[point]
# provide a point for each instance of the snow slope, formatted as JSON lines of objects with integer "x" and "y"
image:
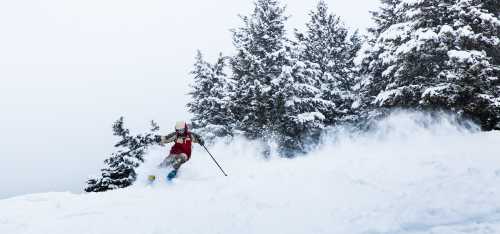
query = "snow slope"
{"x": 413, "y": 174}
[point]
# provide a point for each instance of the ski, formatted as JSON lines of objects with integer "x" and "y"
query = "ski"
{"x": 151, "y": 179}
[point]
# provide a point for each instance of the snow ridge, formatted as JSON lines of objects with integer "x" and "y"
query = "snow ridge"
{"x": 414, "y": 173}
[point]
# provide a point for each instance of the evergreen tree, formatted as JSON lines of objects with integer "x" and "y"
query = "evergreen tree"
{"x": 378, "y": 46}
{"x": 210, "y": 103}
{"x": 120, "y": 167}
{"x": 300, "y": 107}
{"x": 371, "y": 67}
{"x": 385, "y": 17}
{"x": 257, "y": 65}
{"x": 327, "y": 46}
{"x": 470, "y": 80}
{"x": 439, "y": 54}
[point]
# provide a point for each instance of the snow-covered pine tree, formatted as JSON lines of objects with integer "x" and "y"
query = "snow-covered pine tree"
{"x": 375, "y": 49}
{"x": 210, "y": 98}
{"x": 299, "y": 105}
{"x": 327, "y": 46}
{"x": 470, "y": 81}
{"x": 258, "y": 63}
{"x": 385, "y": 17}
{"x": 120, "y": 167}
{"x": 439, "y": 54}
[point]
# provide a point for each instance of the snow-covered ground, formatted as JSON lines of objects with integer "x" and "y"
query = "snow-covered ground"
{"x": 414, "y": 174}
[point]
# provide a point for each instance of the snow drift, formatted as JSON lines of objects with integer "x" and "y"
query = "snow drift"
{"x": 412, "y": 174}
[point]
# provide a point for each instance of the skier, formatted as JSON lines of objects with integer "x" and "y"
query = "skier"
{"x": 181, "y": 150}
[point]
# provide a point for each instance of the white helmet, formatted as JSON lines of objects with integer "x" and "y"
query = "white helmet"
{"x": 180, "y": 127}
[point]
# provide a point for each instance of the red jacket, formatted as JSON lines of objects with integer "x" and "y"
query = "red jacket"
{"x": 183, "y": 145}
{"x": 183, "y": 142}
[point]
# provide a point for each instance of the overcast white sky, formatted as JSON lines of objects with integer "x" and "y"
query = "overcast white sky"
{"x": 68, "y": 69}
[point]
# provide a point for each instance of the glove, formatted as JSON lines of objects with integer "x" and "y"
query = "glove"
{"x": 201, "y": 141}
{"x": 157, "y": 139}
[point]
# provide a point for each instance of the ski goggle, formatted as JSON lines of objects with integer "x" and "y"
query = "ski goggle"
{"x": 180, "y": 130}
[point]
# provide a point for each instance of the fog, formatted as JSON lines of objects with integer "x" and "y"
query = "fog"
{"x": 68, "y": 69}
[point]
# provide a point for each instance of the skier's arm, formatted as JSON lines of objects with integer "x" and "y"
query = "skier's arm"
{"x": 166, "y": 139}
{"x": 197, "y": 139}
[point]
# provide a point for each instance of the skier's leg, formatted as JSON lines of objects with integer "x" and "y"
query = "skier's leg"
{"x": 179, "y": 159}
{"x": 167, "y": 161}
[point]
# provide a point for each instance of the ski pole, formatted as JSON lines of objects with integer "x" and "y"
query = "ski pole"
{"x": 214, "y": 160}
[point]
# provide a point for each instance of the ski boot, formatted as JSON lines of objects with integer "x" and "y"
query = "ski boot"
{"x": 171, "y": 175}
